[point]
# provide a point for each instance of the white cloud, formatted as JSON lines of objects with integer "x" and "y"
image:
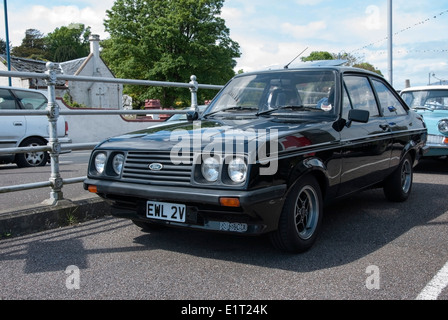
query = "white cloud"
{"x": 46, "y": 19}
{"x": 232, "y": 16}
{"x": 273, "y": 34}
{"x": 308, "y": 2}
{"x": 374, "y": 19}
{"x": 311, "y": 30}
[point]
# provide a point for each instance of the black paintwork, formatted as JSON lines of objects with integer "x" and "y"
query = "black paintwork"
{"x": 345, "y": 156}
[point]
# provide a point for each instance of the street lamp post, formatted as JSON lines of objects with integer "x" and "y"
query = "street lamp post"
{"x": 8, "y": 54}
{"x": 390, "y": 30}
{"x": 441, "y": 80}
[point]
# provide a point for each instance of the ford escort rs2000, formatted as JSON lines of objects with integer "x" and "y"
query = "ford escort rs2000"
{"x": 267, "y": 155}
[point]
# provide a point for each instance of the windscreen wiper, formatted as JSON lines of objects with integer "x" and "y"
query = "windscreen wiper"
{"x": 423, "y": 108}
{"x": 239, "y": 108}
{"x": 302, "y": 107}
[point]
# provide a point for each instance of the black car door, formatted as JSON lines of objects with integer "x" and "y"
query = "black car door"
{"x": 397, "y": 116}
{"x": 366, "y": 147}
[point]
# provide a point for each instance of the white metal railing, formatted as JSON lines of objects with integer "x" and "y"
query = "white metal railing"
{"x": 54, "y": 147}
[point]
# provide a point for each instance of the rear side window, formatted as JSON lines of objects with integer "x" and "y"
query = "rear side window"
{"x": 7, "y": 101}
{"x": 361, "y": 94}
{"x": 390, "y": 105}
{"x": 31, "y": 100}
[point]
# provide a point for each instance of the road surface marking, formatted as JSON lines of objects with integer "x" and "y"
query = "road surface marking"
{"x": 435, "y": 287}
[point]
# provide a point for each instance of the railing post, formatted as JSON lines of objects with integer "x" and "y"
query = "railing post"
{"x": 194, "y": 92}
{"x": 53, "y": 115}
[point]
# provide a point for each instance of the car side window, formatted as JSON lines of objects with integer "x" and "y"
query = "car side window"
{"x": 31, "y": 100}
{"x": 361, "y": 94}
{"x": 7, "y": 101}
{"x": 390, "y": 105}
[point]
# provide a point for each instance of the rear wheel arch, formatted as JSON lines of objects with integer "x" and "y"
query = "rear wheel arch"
{"x": 24, "y": 140}
{"x": 409, "y": 149}
{"x": 398, "y": 186}
{"x": 413, "y": 155}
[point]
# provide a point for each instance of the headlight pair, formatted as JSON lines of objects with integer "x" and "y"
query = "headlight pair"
{"x": 101, "y": 162}
{"x": 236, "y": 169}
{"x": 443, "y": 126}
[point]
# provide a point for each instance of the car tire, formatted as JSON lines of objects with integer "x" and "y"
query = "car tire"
{"x": 398, "y": 186}
{"x": 32, "y": 159}
{"x": 301, "y": 217}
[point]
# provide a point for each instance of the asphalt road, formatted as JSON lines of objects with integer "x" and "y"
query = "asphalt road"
{"x": 370, "y": 249}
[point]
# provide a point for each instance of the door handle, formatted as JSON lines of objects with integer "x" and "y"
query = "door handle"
{"x": 18, "y": 124}
{"x": 385, "y": 127}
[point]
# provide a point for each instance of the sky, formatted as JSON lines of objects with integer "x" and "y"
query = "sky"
{"x": 272, "y": 33}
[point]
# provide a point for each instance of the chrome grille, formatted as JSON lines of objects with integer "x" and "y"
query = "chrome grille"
{"x": 175, "y": 171}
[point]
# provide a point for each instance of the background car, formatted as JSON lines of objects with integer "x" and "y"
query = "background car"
{"x": 26, "y": 130}
{"x": 432, "y": 103}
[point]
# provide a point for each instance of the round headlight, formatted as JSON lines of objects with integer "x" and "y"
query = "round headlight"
{"x": 100, "y": 162}
{"x": 117, "y": 163}
{"x": 210, "y": 169}
{"x": 237, "y": 170}
{"x": 443, "y": 126}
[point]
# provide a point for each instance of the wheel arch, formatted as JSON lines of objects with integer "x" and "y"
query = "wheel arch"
{"x": 45, "y": 140}
{"x": 410, "y": 149}
{"x": 310, "y": 167}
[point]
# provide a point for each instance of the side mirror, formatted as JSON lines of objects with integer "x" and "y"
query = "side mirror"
{"x": 192, "y": 116}
{"x": 361, "y": 116}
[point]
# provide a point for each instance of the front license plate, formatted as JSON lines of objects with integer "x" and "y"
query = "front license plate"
{"x": 166, "y": 211}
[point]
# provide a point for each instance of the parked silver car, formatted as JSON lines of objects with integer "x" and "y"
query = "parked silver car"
{"x": 26, "y": 130}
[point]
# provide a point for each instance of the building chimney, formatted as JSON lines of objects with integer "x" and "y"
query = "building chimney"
{"x": 95, "y": 51}
{"x": 95, "y": 45}
{"x": 407, "y": 83}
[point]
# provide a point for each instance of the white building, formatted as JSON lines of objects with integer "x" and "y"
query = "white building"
{"x": 93, "y": 94}
{"x": 90, "y": 94}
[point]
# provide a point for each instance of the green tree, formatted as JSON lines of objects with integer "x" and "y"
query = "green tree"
{"x": 318, "y": 55}
{"x": 169, "y": 40}
{"x": 68, "y": 43}
{"x": 368, "y": 66}
{"x": 33, "y": 46}
{"x": 2, "y": 46}
{"x": 352, "y": 61}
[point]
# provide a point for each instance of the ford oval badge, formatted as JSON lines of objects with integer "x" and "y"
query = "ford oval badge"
{"x": 155, "y": 166}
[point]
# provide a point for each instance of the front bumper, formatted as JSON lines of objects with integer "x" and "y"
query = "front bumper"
{"x": 436, "y": 146}
{"x": 258, "y": 213}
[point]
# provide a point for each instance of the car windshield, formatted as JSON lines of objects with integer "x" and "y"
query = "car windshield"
{"x": 287, "y": 93}
{"x": 427, "y": 99}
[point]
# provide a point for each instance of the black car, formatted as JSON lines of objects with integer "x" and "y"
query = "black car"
{"x": 271, "y": 150}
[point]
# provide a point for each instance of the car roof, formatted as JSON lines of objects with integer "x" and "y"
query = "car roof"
{"x": 22, "y": 89}
{"x": 425, "y": 88}
{"x": 341, "y": 69}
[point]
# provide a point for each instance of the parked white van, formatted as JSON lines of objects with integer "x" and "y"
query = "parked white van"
{"x": 26, "y": 130}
